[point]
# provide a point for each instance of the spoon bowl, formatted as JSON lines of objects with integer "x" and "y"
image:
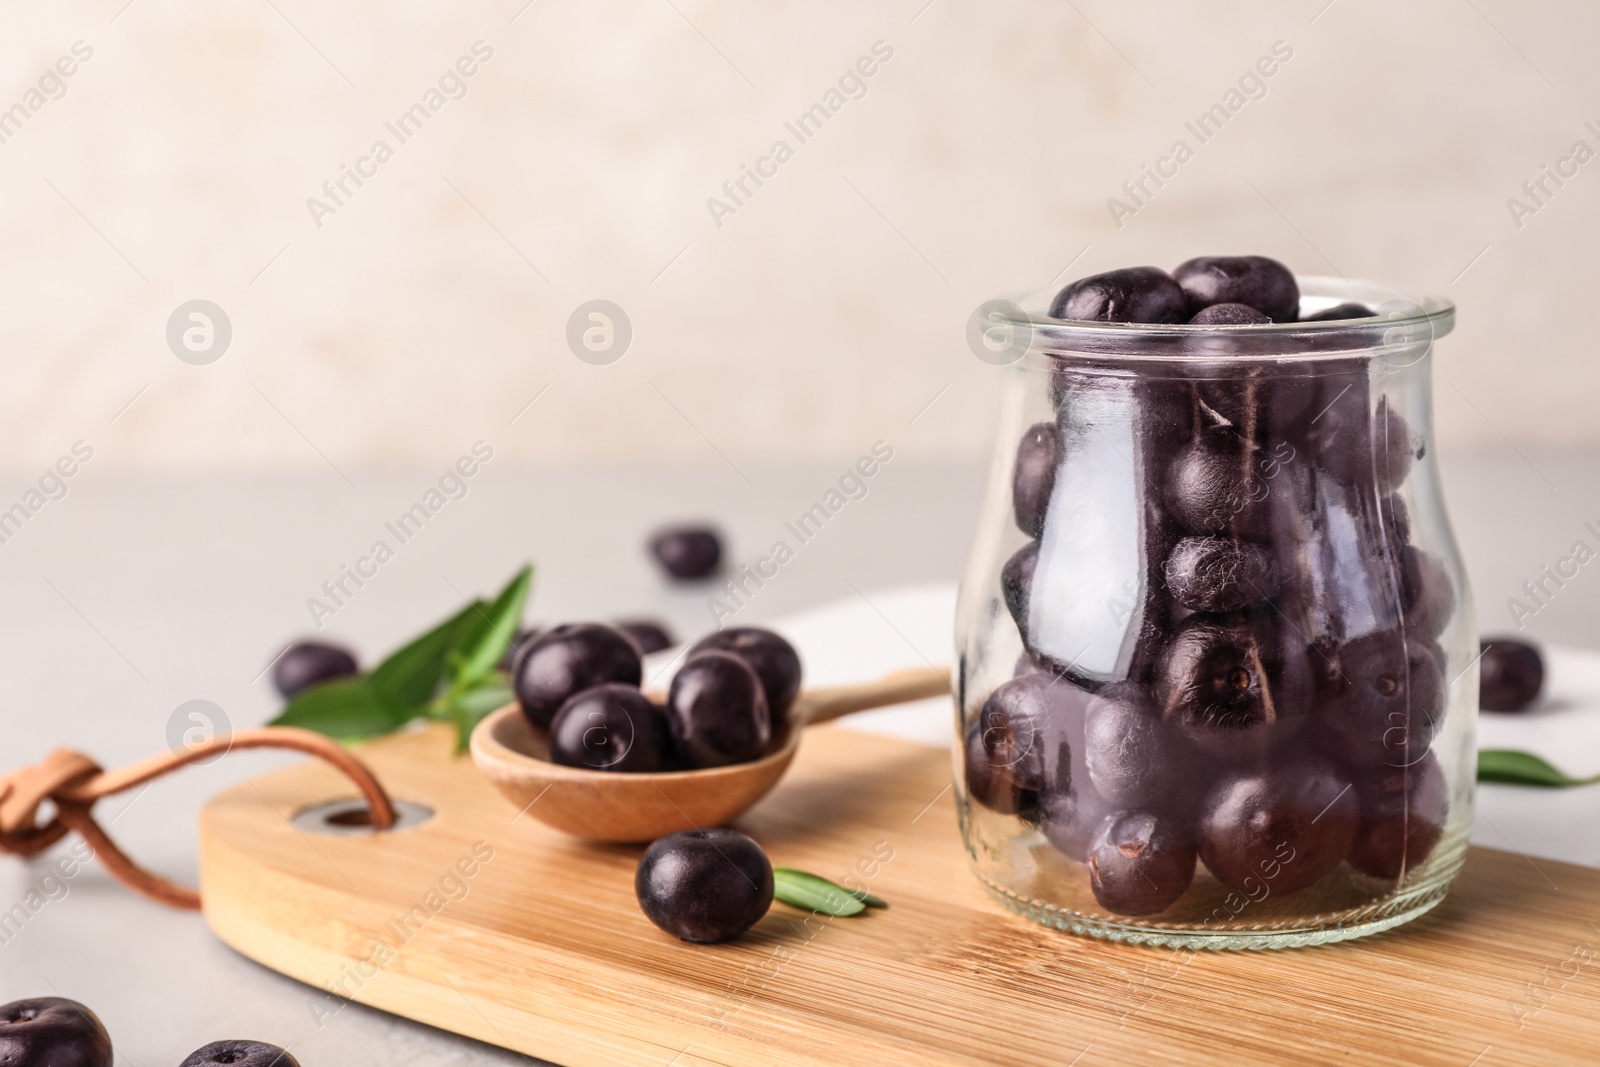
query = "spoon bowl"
{"x": 630, "y": 807}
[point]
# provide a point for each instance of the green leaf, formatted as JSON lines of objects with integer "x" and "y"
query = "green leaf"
{"x": 347, "y": 709}
{"x": 490, "y": 696}
{"x": 1523, "y": 768}
{"x": 464, "y": 651}
{"x": 472, "y": 662}
{"x": 867, "y": 898}
{"x": 410, "y": 677}
{"x": 482, "y": 642}
{"x": 466, "y": 709}
{"x": 804, "y": 890}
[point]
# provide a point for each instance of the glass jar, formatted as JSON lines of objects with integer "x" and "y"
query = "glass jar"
{"x": 1215, "y": 640}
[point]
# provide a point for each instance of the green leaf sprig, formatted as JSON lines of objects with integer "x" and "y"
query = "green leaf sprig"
{"x": 451, "y": 673}
{"x": 811, "y": 892}
{"x": 1511, "y": 767}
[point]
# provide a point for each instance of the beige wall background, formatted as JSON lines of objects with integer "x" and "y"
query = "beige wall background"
{"x": 827, "y": 311}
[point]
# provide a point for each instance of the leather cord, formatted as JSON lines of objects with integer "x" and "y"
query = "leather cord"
{"x": 74, "y": 782}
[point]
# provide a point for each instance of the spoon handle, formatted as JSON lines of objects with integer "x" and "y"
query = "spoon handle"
{"x": 830, "y": 702}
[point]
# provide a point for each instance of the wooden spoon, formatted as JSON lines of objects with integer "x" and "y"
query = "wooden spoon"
{"x": 618, "y": 806}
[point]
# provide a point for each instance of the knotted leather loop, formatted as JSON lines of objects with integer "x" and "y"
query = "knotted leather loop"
{"x": 73, "y": 783}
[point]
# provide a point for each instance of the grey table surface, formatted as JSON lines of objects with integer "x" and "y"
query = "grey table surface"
{"x": 126, "y": 599}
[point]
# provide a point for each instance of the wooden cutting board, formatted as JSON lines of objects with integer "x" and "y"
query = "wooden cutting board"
{"x": 483, "y": 922}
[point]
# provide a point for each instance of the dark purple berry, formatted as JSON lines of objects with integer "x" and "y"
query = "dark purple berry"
{"x": 565, "y": 661}
{"x": 1341, "y": 311}
{"x": 1262, "y": 403}
{"x": 1403, "y": 814}
{"x": 519, "y": 643}
{"x": 773, "y": 659}
{"x": 648, "y": 634}
{"x": 1232, "y": 684}
{"x": 1510, "y": 675}
{"x": 1134, "y": 759}
{"x": 687, "y": 552}
{"x": 1279, "y": 831}
{"x": 240, "y": 1054}
{"x": 704, "y": 885}
{"x": 1219, "y": 574}
{"x": 1216, "y": 484}
{"x": 717, "y": 711}
{"x": 1357, "y": 447}
{"x": 1256, "y": 281}
{"x": 1427, "y": 595}
{"x": 1132, "y": 294}
{"x": 1035, "y": 476}
{"x": 1352, "y": 568}
{"x": 990, "y": 785}
{"x": 52, "y": 1032}
{"x": 305, "y": 664}
{"x": 1387, "y": 698}
{"x": 1139, "y": 863}
{"x": 611, "y": 728}
{"x": 1010, "y": 731}
{"x": 1228, "y": 315}
{"x": 1394, "y": 445}
{"x": 1396, "y": 519}
{"x": 1021, "y": 730}
{"x": 1016, "y": 584}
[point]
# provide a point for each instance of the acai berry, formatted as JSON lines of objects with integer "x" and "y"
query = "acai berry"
{"x": 611, "y": 728}
{"x": 310, "y": 663}
{"x": 1132, "y": 294}
{"x": 52, "y": 1032}
{"x": 240, "y": 1054}
{"x": 773, "y": 659}
{"x": 569, "y": 659}
{"x": 687, "y": 552}
{"x": 1255, "y": 281}
{"x": 704, "y": 885}
{"x": 648, "y": 634}
{"x": 1510, "y": 675}
{"x": 717, "y": 711}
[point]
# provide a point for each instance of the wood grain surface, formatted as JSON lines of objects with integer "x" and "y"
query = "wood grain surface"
{"x": 484, "y": 922}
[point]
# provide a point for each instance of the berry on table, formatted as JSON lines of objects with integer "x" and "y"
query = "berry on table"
{"x": 704, "y": 885}
{"x": 687, "y": 552}
{"x": 52, "y": 1032}
{"x": 1510, "y": 675}
{"x": 305, "y": 664}
{"x": 240, "y": 1054}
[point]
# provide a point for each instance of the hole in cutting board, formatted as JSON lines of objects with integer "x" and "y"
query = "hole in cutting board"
{"x": 350, "y": 818}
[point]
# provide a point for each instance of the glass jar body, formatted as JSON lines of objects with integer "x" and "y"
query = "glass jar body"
{"x": 1215, "y": 647}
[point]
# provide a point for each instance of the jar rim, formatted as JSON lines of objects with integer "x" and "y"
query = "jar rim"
{"x": 1403, "y": 327}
